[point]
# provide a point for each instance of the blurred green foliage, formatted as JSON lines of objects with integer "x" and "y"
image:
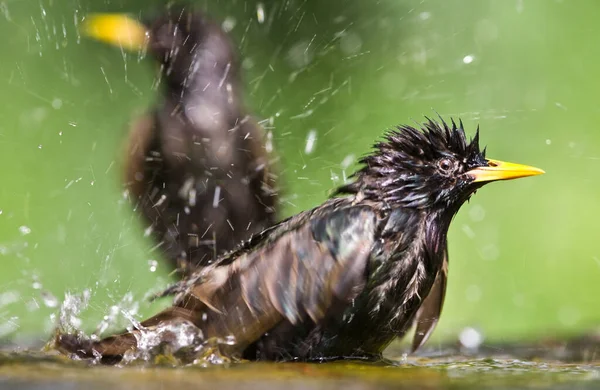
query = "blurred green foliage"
{"x": 523, "y": 260}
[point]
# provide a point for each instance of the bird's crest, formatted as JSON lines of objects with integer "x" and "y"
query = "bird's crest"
{"x": 432, "y": 139}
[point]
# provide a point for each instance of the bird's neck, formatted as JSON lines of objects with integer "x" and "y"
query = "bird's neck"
{"x": 413, "y": 248}
{"x": 436, "y": 232}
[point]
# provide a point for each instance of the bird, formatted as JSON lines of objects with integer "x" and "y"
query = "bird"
{"x": 341, "y": 280}
{"x": 197, "y": 165}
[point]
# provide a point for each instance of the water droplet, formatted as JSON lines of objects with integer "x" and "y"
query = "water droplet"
{"x": 311, "y": 139}
{"x": 216, "y": 197}
{"x": 153, "y": 265}
{"x": 24, "y": 230}
{"x": 5, "y": 12}
{"x": 548, "y": 142}
{"x": 347, "y": 161}
{"x": 248, "y": 63}
{"x": 229, "y": 340}
{"x": 490, "y": 252}
{"x": 269, "y": 143}
{"x": 468, "y": 59}
{"x": 148, "y": 231}
{"x": 350, "y": 43}
{"x": 300, "y": 54}
{"x": 560, "y": 105}
{"x": 8, "y": 297}
{"x": 477, "y": 213}
{"x": 470, "y": 338}
{"x": 468, "y": 231}
{"x": 334, "y": 177}
{"x": 425, "y": 15}
{"x": 49, "y": 299}
{"x": 228, "y": 24}
{"x": 57, "y": 103}
{"x": 260, "y": 13}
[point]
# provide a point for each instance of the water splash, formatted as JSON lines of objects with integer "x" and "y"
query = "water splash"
{"x": 174, "y": 341}
{"x": 68, "y": 319}
{"x": 128, "y": 307}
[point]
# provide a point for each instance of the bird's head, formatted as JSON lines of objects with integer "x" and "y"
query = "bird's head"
{"x": 434, "y": 167}
{"x": 183, "y": 41}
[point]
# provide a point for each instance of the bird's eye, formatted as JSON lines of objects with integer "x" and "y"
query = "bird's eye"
{"x": 445, "y": 164}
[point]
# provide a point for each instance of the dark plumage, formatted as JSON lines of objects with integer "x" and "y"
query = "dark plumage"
{"x": 345, "y": 278}
{"x": 196, "y": 165}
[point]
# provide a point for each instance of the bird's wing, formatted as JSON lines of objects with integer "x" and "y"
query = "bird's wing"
{"x": 429, "y": 313}
{"x": 296, "y": 277}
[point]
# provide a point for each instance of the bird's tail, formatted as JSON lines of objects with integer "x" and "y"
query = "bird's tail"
{"x": 110, "y": 350}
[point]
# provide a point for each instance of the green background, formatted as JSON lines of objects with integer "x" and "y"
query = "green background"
{"x": 524, "y": 255}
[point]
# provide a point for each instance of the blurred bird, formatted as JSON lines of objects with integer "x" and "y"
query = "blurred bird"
{"x": 196, "y": 165}
{"x": 344, "y": 279}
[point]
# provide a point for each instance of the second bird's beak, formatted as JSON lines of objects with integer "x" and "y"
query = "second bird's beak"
{"x": 116, "y": 29}
{"x": 500, "y": 170}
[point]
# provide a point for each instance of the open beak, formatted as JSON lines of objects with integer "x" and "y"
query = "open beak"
{"x": 500, "y": 170}
{"x": 116, "y": 29}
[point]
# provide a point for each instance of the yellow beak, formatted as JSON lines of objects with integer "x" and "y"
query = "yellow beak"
{"x": 116, "y": 29}
{"x": 500, "y": 170}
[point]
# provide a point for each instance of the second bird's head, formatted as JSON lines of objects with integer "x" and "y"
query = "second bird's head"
{"x": 183, "y": 41}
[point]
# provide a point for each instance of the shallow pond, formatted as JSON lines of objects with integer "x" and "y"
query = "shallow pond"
{"x": 26, "y": 370}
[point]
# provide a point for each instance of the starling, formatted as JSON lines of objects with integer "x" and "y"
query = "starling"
{"x": 346, "y": 278}
{"x": 196, "y": 165}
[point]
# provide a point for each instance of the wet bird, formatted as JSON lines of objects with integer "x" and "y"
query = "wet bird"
{"x": 196, "y": 164}
{"x": 341, "y": 280}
